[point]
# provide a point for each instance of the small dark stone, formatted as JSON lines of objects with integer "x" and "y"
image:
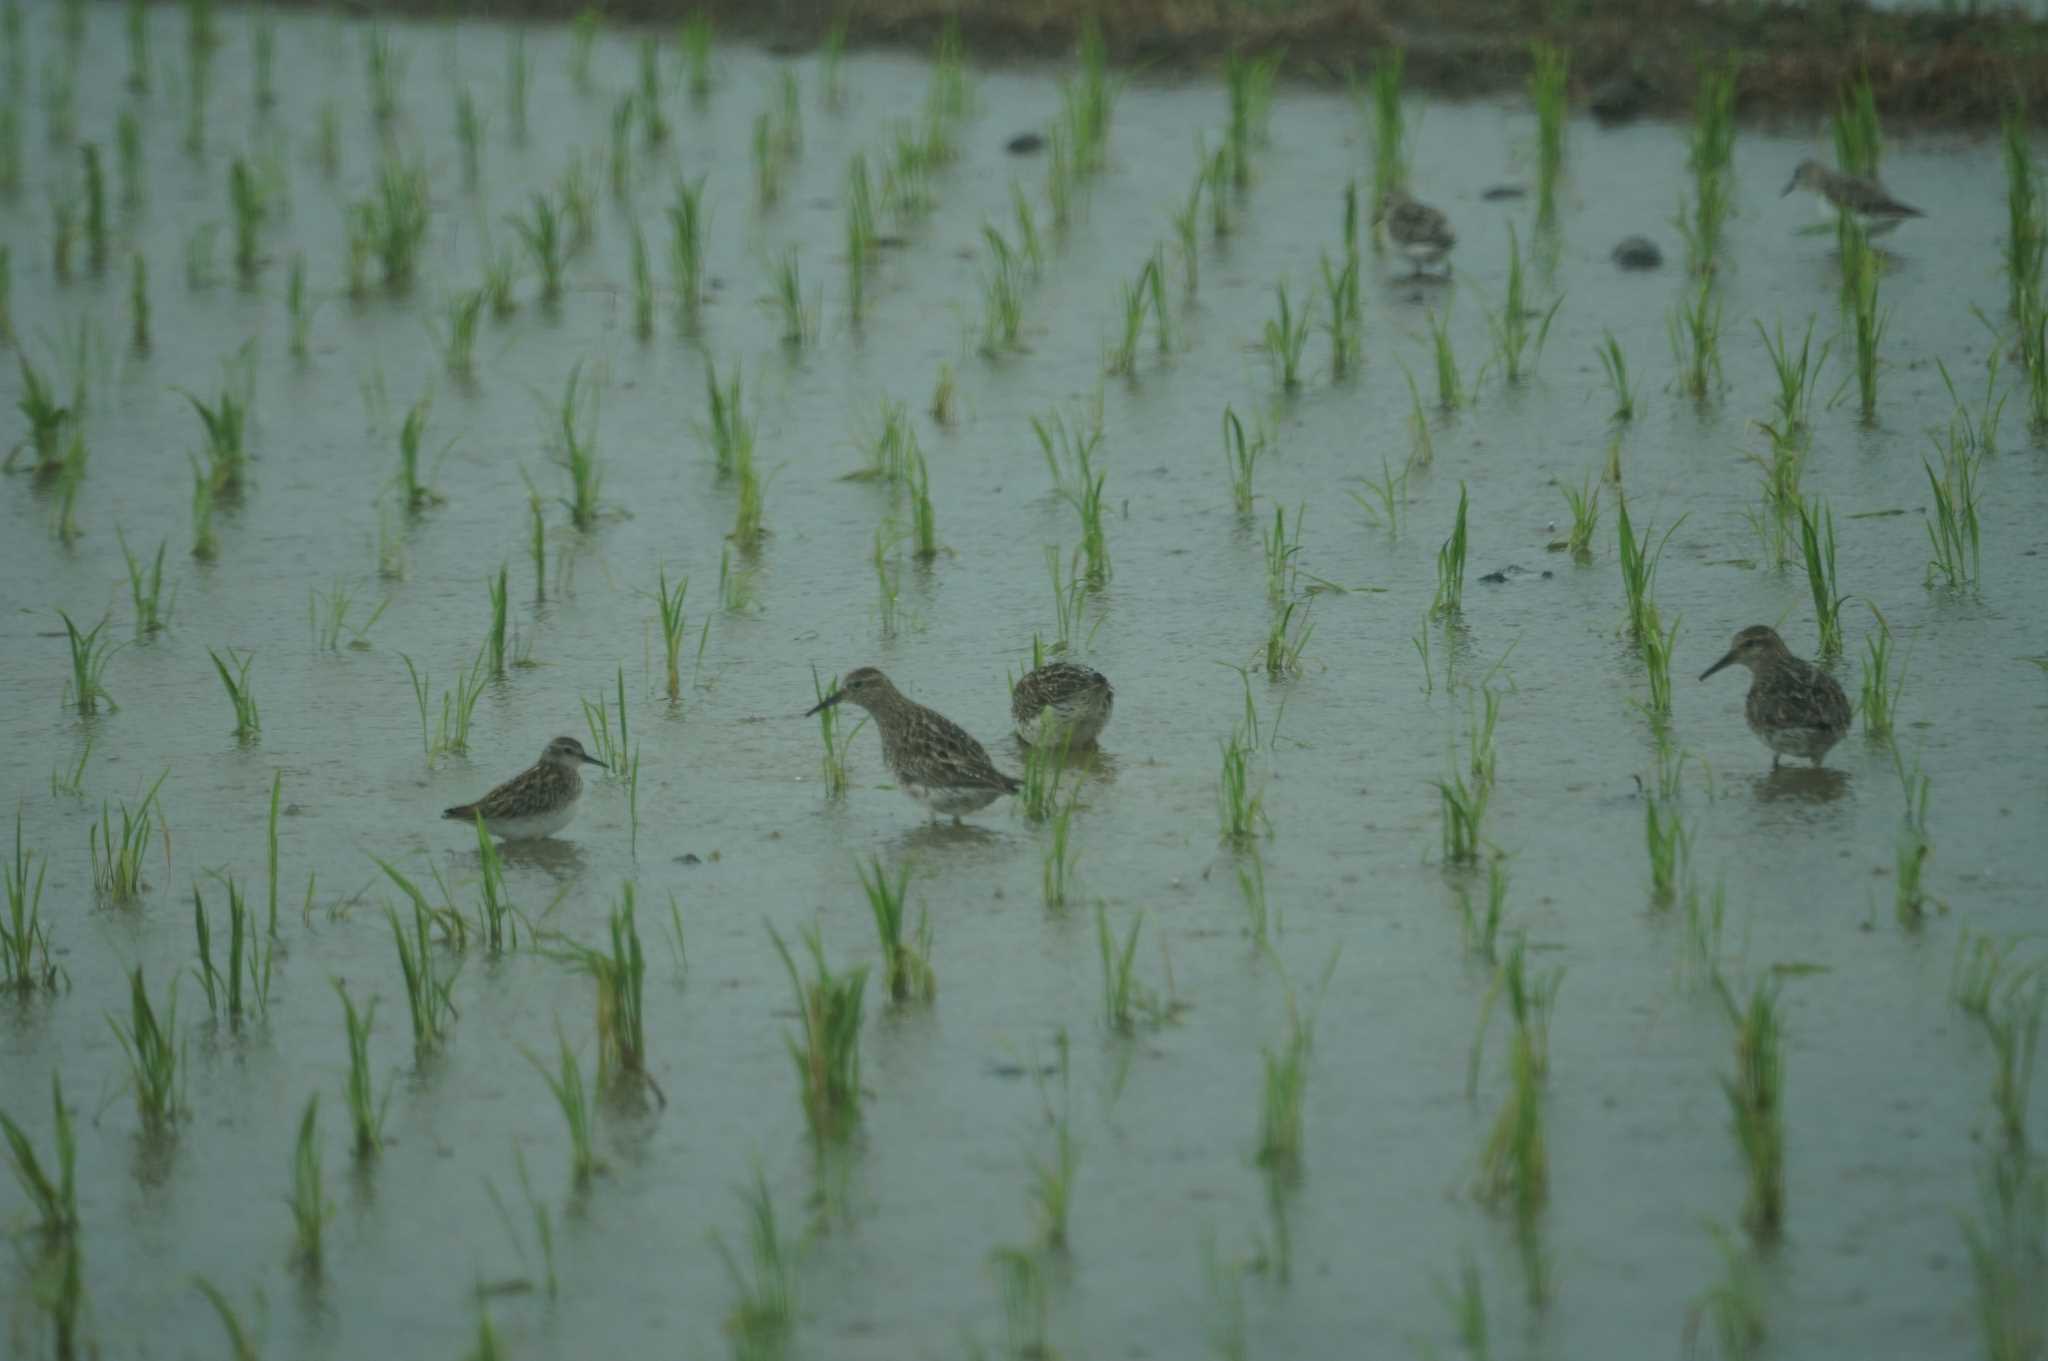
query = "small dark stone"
{"x": 1638, "y": 252}
{"x": 686, "y": 858}
{"x": 1497, "y": 192}
{"x": 1024, "y": 143}
{"x": 1495, "y": 578}
{"x": 1621, "y": 98}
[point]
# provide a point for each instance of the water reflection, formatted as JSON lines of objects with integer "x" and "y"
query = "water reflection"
{"x": 1802, "y": 784}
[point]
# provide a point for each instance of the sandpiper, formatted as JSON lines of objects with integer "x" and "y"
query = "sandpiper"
{"x": 1418, "y": 231}
{"x": 934, "y": 759}
{"x": 1794, "y": 706}
{"x": 1063, "y": 703}
{"x": 1870, "y": 201}
{"x": 537, "y": 802}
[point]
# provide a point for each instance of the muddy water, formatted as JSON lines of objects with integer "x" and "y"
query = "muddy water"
{"x": 1887, "y": 1085}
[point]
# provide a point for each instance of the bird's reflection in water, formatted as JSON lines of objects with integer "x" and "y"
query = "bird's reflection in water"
{"x": 559, "y": 860}
{"x": 947, "y": 838}
{"x": 1802, "y": 784}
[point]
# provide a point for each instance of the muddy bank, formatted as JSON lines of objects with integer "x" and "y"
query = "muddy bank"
{"x": 1931, "y": 67}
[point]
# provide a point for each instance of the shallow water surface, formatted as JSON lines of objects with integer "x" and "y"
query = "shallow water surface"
{"x": 1887, "y": 1084}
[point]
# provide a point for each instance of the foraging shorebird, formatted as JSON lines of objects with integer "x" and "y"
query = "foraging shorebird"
{"x": 1794, "y": 706}
{"x": 934, "y": 759}
{"x": 1063, "y": 703}
{"x": 1870, "y": 201}
{"x": 537, "y": 802}
{"x": 1418, "y": 231}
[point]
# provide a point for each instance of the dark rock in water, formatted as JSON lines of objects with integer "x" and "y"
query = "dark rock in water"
{"x": 1495, "y": 578}
{"x": 688, "y": 858}
{"x": 1024, "y": 143}
{"x": 1622, "y": 97}
{"x": 1498, "y": 192}
{"x": 1638, "y": 252}
{"x": 1502, "y": 576}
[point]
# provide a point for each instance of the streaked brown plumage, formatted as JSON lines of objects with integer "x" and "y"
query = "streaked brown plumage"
{"x": 934, "y": 759}
{"x": 1418, "y": 231}
{"x": 1870, "y": 201}
{"x": 1794, "y": 706}
{"x": 1071, "y": 701}
{"x": 537, "y": 802}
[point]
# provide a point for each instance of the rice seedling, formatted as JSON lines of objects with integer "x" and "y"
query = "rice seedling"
{"x": 1547, "y": 92}
{"x": 1340, "y": 289}
{"x": 244, "y": 949}
{"x": 1616, "y": 365}
{"x": 826, "y": 1050}
{"x": 236, "y": 682}
{"x": 1953, "y": 532}
{"x": 1132, "y": 300}
{"x": 728, "y": 429}
{"x": 1515, "y": 1163}
{"x": 763, "y": 1314}
{"x": 697, "y": 56}
{"x": 1913, "y": 847}
{"x": 735, "y": 593}
{"x": 24, "y": 937}
{"x": 1638, "y": 565}
{"x": 462, "y": 312}
{"x": 1249, "y": 84}
{"x": 1122, "y": 995}
{"x": 1756, "y": 1105}
{"x": 1056, "y": 872}
{"x": 1251, "y": 887}
{"x": 47, "y": 419}
{"x": 906, "y": 965}
{"x": 1026, "y": 1301}
{"x": 1002, "y": 296}
{"x": 225, "y": 423}
{"x": 1389, "y": 137}
{"x": 620, "y": 975}
{"x": 546, "y": 245}
{"x": 1817, "y": 547}
{"x": 1584, "y": 504}
{"x": 1657, "y": 644}
{"x": 576, "y": 451}
{"x": 833, "y": 764}
{"x": 311, "y": 1209}
{"x": 771, "y": 165}
{"x": 1284, "y": 1095}
{"x": 327, "y": 615}
{"x": 393, "y": 221}
{"x": 69, "y": 478}
{"x": 2024, "y": 236}
{"x": 1242, "y": 455}
{"x": 155, "y": 1057}
{"x": 1731, "y": 1311}
{"x": 2006, "y": 1246}
{"x": 95, "y": 209}
{"x": 887, "y": 575}
{"x": 2033, "y": 347}
{"x": 1869, "y": 329}
{"x": 923, "y": 520}
{"x": 686, "y": 251}
{"x": 669, "y": 611}
{"x": 55, "y": 1198}
{"x": 2013, "y": 1025}
{"x": 1695, "y": 331}
{"x": 1284, "y": 338}
{"x": 1155, "y": 279}
{"x": 117, "y": 859}
{"x": 249, "y": 209}
{"x": 458, "y": 706}
{"x": 366, "y": 1108}
{"x": 747, "y": 530}
{"x": 1240, "y": 796}
{"x": 566, "y": 1085}
{"x": 1450, "y": 566}
{"x": 429, "y": 995}
{"x": 138, "y": 302}
{"x": 1858, "y": 143}
{"x": 1879, "y": 700}
{"x": 413, "y": 493}
{"x": 1668, "y": 839}
{"x": 1514, "y": 343}
{"x": 607, "y": 745}
{"x": 799, "y": 319}
{"x": 860, "y": 234}
{"x": 1796, "y": 375}
{"x": 1387, "y": 496}
{"x": 1282, "y": 554}
{"x": 89, "y": 656}
{"x": 297, "y": 310}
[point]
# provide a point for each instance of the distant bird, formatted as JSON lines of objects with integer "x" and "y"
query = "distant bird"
{"x": 1062, "y": 703}
{"x": 1418, "y": 231}
{"x": 935, "y": 760}
{"x": 538, "y": 801}
{"x": 1870, "y": 201}
{"x": 1794, "y": 706}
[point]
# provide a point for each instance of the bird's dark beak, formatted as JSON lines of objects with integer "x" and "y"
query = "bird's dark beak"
{"x": 1725, "y": 660}
{"x": 592, "y": 760}
{"x": 1790, "y": 185}
{"x": 826, "y": 702}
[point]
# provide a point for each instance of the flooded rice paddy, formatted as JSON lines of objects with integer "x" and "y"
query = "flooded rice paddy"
{"x": 1182, "y": 1240}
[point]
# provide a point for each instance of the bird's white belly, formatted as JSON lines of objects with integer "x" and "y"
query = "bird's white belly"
{"x": 531, "y": 826}
{"x": 950, "y": 799}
